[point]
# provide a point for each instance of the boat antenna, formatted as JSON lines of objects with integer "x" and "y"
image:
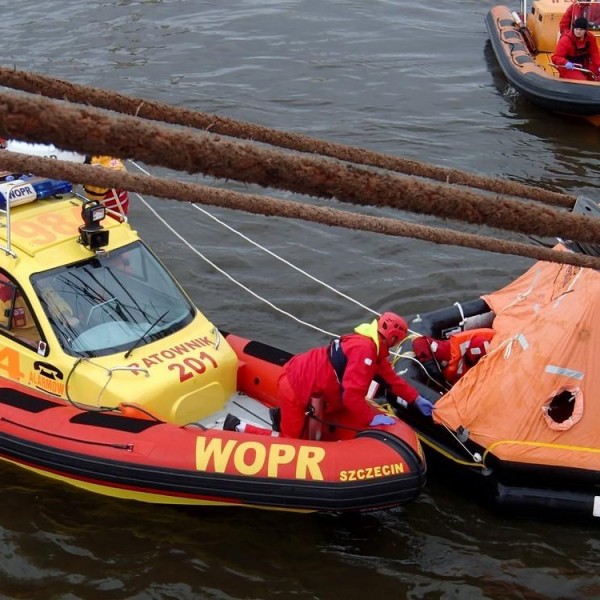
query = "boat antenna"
{"x": 524, "y": 11}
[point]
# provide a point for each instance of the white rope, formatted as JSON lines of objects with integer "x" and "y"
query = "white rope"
{"x": 277, "y": 257}
{"x": 227, "y": 275}
{"x": 462, "y": 314}
{"x": 257, "y": 245}
{"x": 283, "y": 260}
{"x": 241, "y": 285}
{"x": 519, "y": 297}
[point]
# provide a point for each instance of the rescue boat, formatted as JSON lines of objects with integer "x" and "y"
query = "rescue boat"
{"x": 520, "y": 430}
{"x": 523, "y": 44}
{"x": 111, "y": 380}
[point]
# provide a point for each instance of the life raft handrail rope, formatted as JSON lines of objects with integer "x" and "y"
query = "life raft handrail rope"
{"x": 425, "y": 440}
{"x": 92, "y": 131}
{"x": 227, "y": 275}
{"x": 264, "y": 205}
{"x": 548, "y": 445}
{"x": 63, "y": 90}
{"x": 461, "y": 311}
{"x": 270, "y": 252}
{"x": 474, "y": 455}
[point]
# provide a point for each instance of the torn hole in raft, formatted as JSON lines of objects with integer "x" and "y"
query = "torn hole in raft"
{"x": 564, "y": 409}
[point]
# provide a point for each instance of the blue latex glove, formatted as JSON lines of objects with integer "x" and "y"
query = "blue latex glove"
{"x": 381, "y": 420}
{"x": 569, "y": 66}
{"x": 425, "y": 407}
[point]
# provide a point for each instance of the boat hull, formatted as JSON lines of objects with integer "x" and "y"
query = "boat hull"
{"x": 131, "y": 455}
{"x": 531, "y": 74}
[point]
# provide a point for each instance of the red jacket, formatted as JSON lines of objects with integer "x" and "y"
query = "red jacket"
{"x": 584, "y": 52}
{"x": 311, "y": 374}
{"x": 590, "y": 11}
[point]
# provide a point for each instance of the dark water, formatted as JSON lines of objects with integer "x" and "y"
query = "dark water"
{"x": 415, "y": 80}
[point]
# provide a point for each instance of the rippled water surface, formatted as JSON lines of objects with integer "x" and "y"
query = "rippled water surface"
{"x": 414, "y": 80}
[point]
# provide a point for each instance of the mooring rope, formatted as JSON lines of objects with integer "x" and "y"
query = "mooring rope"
{"x": 90, "y": 130}
{"x": 90, "y": 96}
{"x": 264, "y": 205}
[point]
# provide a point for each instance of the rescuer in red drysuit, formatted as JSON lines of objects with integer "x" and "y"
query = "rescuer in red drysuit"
{"x": 577, "y": 48}
{"x": 589, "y": 10}
{"x": 338, "y": 376}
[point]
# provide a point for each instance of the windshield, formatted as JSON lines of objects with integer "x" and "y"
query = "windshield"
{"x": 112, "y": 303}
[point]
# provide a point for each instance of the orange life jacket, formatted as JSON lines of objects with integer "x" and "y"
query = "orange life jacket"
{"x": 456, "y": 355}
{"x": 466, "y": 348}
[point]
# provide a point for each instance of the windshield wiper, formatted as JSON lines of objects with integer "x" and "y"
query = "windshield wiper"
{"x": 141, "y": 338}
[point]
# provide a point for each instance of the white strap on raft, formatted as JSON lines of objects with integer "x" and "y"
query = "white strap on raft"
{"x": 520, "y": 338}
{"x": 462, "y": 313}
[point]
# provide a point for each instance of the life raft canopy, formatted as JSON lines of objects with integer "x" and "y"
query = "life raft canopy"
{"x": 529, "y": 399}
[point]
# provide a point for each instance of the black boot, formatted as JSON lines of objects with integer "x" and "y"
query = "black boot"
{"x": 275, "y": 414}
{"x": 231, "y": 423}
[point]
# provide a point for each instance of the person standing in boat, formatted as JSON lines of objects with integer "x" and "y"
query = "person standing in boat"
{"x": 588, "y": 10}
{"x": 332, "y": 382}
{"x": 576, "y": 50}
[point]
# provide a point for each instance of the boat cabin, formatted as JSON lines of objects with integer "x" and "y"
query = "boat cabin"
{"x": 544, "y": 18}
{"x": 90, "y": 315}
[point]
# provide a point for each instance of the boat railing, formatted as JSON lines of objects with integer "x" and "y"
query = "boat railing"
{"x": 5, "y": 220}
{"x": 7, "y": 248}
{"x": 576, "y": 68}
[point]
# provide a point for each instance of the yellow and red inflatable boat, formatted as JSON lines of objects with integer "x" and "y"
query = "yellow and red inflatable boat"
{"x": 111, "y": 380}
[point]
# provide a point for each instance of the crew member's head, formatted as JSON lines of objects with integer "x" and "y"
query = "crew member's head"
{"x": 580, "y": 26}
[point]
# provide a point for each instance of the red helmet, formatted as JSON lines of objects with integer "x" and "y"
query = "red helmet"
{"x": 392, "y": 328}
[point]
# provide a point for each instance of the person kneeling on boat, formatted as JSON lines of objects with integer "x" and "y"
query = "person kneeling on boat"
{"x": 453, "y": 357}
{"x": 576, "y": 55}
{"x": 337, "y": 378}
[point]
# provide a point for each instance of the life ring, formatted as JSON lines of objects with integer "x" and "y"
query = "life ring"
{"x": 115, "y": 200}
